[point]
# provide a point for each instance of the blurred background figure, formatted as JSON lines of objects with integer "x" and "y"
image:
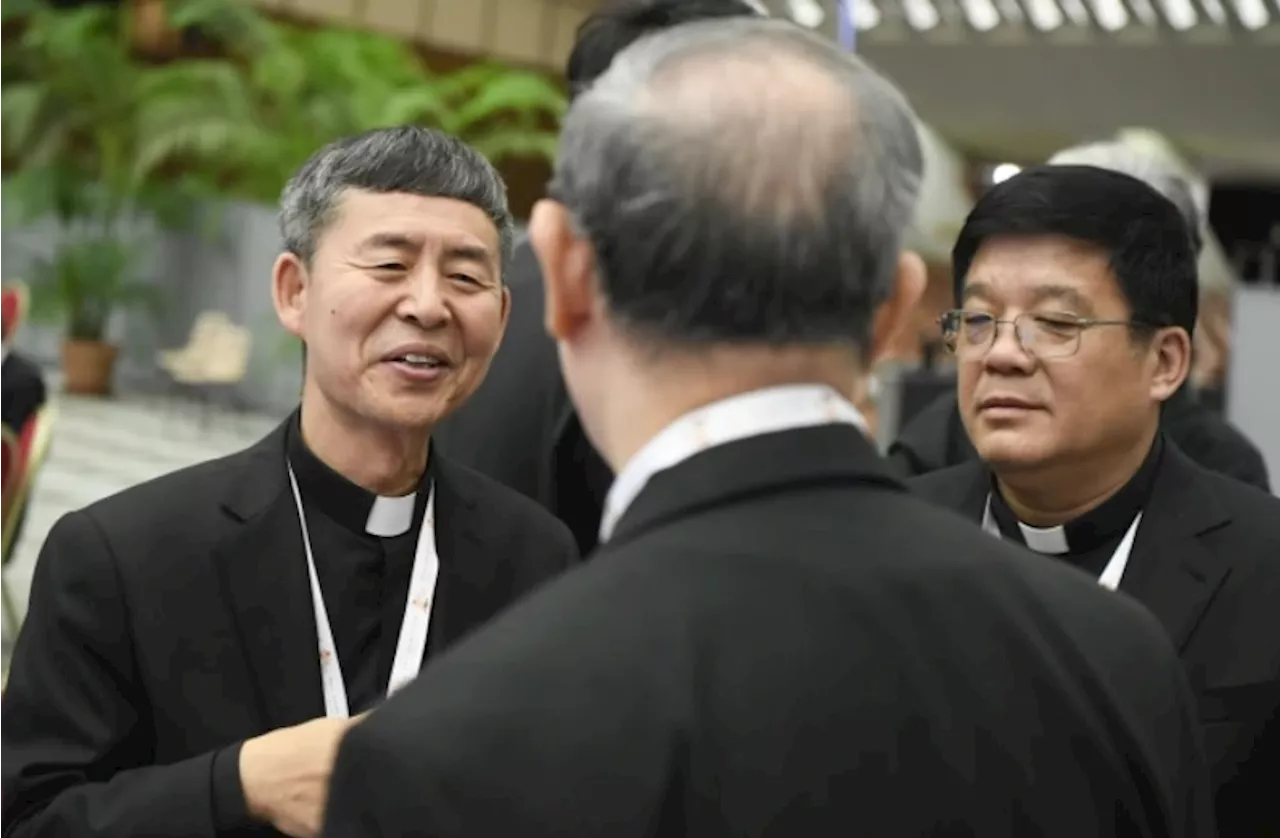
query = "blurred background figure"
{"x": 22, "y": 392}
{"x": 26, "y": 431}
{"x": 520, "y": 428}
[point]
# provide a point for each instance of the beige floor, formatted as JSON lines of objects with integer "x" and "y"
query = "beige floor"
{"x": 100, "y": 447}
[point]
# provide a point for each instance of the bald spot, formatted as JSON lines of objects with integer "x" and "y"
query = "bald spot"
{"x": 757, "y": 127}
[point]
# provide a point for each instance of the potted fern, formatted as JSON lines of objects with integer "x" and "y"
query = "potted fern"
{"x": 96, "y": 136}
{"x": 83, "y": 283}
{"x": 76, "y": 134}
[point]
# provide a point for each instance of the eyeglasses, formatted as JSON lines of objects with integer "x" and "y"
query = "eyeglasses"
{"x": 971, "y": 334}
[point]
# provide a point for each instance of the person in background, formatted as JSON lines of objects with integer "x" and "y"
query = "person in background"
{"x": 520, "y": 428}
{"x": 935, "y": 438}
{"x": 22, "y": 394}
{"x": 196, "y": 645}
{"x": 22, "y": 387}
{"x": 1077, "y": 300}
{"x": 775, "y": 638}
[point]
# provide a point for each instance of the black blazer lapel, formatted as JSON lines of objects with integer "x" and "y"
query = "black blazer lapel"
{"x": 468, "y": 589}
{"x": 805, "y": 456}
{"x": 1171, "y": 571}
{"x": 263, "y": 567}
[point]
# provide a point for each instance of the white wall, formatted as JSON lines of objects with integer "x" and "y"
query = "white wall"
{"x": 1253, "y": 401}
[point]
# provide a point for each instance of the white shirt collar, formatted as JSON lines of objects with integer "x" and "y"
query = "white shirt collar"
{"x": 738, "y": 417}
{"x": 1051, "y": 540}
{"x": 390, "y": 516}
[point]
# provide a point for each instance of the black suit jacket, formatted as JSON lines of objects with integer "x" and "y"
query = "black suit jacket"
{"x": 520, "y": 427}
{"x": 174, "y": 619}
{"x": 936, "y": 439}
{"x": 779, "y": 641}
{"x": 1206, "y": 563}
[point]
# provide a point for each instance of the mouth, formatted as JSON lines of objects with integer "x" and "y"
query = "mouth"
{"x": 425, "y": 362}
{"x": 419, "y": 362}
{"x": 1007, "y": 403}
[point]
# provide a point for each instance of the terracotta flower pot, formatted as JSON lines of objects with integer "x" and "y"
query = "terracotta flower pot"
{"x": 87, "y": 366}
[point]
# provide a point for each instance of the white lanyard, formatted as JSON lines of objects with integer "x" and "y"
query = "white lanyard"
{"x": 738, "y": 417}
{"x": 412, "y": 642}
{"x": 1112, "y": 573}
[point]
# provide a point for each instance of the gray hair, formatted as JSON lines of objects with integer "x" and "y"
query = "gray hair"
{"x": 1147, "y": 168}
{"x": 742, "y": 180}
{"x": 409, "y": 159}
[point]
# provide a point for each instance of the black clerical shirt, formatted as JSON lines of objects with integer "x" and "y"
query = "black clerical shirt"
{"x": 364, "y": 577}
{"x": 1088, "y": 542}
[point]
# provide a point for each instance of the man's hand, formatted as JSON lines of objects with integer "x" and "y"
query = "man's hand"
{"x": 285, "y": 774}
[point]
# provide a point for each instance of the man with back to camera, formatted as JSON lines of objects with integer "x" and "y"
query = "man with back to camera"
{"x": 935, "y": 437}
{"x": 196, "y": 646}
{"x": 775, "y": 639}
{"x": 1077, "y": 294}
{"x": 520, "y": 428}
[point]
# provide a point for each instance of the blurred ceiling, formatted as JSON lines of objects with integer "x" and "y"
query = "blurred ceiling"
{"x": 1018, "y": 79}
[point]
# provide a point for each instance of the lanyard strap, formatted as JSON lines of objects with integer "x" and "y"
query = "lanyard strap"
{"x": 411, "y": 645}
{"x": 1112, "y": 573}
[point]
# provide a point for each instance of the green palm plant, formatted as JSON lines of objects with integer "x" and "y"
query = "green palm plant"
{"x": 97, "y": 273}
{"x": 75, "y": 126}
{"x": 99, "y": 139}
{"x": 296, "y": 89}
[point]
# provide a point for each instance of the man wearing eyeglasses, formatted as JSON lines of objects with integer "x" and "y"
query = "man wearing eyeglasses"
{"x": 1077, "y": 300}
{"x": 934, "y": 438}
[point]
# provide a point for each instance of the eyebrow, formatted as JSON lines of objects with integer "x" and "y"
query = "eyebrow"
{"x": 401, "y": 241}
{"x": 468, "y": 252}
{"x": 393, "y": 241}
{"x": 1042, "y": 293}
{"x": 1062, "y": 293}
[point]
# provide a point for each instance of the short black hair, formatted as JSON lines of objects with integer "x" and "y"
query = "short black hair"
{"x": 621, "y": 23}
{"x": 1146, "y": 239}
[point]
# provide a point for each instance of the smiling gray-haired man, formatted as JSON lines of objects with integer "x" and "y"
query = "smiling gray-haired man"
{"x": 196, "y": 645}
{"x": 775, "y": 639}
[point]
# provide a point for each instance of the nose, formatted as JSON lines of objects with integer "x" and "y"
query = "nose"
{"x": 424, "y": 302}
{"x": 1007, "y": 354}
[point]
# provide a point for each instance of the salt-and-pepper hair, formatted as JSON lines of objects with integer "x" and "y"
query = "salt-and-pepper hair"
{"x": 409, "y": 159}
{"x": 742, "y": 180}
{"x": 1147, "y": 168}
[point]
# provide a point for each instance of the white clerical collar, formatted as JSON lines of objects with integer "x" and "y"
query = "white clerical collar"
{"x": 1049, "y": 540}
{"x": 390, "y": 516}
{"x": 738, "y": 417}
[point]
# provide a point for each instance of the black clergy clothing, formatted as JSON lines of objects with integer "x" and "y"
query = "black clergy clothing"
{"x": 1206, "y": 563}
{"x": 171, "y": 622}
{"x": 935, "y": 439}
{"x": 779, "y": 641}
{"x": 1090, "y": 541}
{"x": 364, "y": 577}
{"x": 520, "y": 428}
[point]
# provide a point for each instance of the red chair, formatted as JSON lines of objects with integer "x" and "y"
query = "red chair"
{"x": 13, "y": 310}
